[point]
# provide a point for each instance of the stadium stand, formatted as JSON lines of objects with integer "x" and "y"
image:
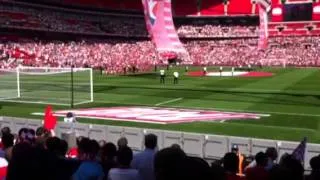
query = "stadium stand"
{"x": 159, "y": 149}
{"x": 294, "y": 29}
{"x": 83, "y": 2}
{"x": 190, "y": 7}
{"x": 201, "y": 52}
{"x": 132, "y": 5}
{"x": 123, "y": 56}
{"x": 29, "y": 154}
{"x": 46, "y": 19}
{"x": 182, "y": 7}
{"x": 217, "y": 31}
{"x": 212, "y": 8}
{"x": 239, "y": 7}
{"x": 289, "y": 51}
{"x": 293, "y": 51}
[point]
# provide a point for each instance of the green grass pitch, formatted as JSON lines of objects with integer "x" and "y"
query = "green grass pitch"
{"x": 291, "y": 97}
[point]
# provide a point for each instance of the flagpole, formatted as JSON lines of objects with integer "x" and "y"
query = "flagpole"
{"x": 72, "y": 93}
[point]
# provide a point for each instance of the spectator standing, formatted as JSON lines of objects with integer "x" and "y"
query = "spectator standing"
{"x": 230, "y": 165}
{"x": 235, "y": 150}
{"x": 122, "y": 142}
{"x": 272, "y": 154}
{"x": 315, "y": 165}
{"x": 108, "y": 157}
{"x": 169, "y": 164}
{"x": 42, "y": 134}
{"x": 143, "y": 161}
{"x": 7, "y": 141}
{"x": 89, "y": 169}
{"x": 4, "y": 130}
{"x": 124, "y": 171}
{"x": 258, "y": 172}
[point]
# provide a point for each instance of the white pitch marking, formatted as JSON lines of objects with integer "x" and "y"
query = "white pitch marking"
{"x": 226, "y": 73}
{"x": 264, "y": 113}
{"x": 167, "y": 102}
{"x": 260, "y": 113}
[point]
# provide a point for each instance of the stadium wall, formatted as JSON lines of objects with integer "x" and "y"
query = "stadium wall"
{"x": 209, "y": 147}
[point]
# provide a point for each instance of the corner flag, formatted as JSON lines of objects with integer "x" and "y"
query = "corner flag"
{"x": 50, "y": 121}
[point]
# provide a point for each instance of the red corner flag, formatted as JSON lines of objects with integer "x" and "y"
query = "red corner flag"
{"x": 50, "y": 121}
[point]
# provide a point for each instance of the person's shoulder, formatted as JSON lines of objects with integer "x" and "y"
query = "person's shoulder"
{"x": 91, "y": 164}
{"x": 132, "y": 172}
{"x": 138, "y": 155}
{"x": 112, "y": 170}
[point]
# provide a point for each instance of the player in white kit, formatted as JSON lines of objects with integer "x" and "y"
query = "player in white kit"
{"x": 162, "y": 75}
{"x": 175, "y": 77}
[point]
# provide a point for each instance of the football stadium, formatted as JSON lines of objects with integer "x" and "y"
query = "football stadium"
{"x": 160, "y": 89}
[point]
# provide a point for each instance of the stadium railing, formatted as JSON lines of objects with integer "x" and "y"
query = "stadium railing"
{"x": 209, "y": 147}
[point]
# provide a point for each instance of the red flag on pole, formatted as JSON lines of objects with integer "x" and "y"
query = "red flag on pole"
{"x": 50, "y": 120}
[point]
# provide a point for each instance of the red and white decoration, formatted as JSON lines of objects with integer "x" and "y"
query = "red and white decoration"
{"x": 158, "y": 115}
{"x": 231, "y": 74}
{"x": 3, "y": 168}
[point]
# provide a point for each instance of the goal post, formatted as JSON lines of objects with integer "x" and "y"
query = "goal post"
{"x": 47, "y": 85}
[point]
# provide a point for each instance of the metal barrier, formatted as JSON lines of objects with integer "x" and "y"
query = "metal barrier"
{"x": 199, "y": 145}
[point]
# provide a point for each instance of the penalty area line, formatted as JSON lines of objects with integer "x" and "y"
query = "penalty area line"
{"x": 169, "y": 101}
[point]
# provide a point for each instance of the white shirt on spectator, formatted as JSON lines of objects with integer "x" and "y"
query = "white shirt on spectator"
{"x": 123, "y": 174}
{"x": 161, "y": 72}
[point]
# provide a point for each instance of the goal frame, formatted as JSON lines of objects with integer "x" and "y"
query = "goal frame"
{"x": 70, "y": 70}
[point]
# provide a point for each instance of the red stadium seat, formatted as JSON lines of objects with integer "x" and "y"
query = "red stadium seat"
{"x": 296, "y": 25}
{"x": 301, "y": 32}
{"x": 273, "y": 33}
{"x": 183, "y": 7}
{"x": 315, "y": 32}
{"x": 14, "y": 15}
{"x": 83, "y": 2}
{"x": 240, "y": 7}
{"x": 212, "y": 8}
{"x": 131, "y": 4}
{"x": 275, "y": 2}
{"x": 110, "y": 4}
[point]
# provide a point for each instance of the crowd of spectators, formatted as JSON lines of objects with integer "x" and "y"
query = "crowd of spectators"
{"x": 113, "y": 56}
{"x": 67, "y": 21}
{"x": 39, "y": 155}
{"x": 13, "y": 15}
{"x": 123, "y": 56}
{"x": 217, "y": 31}
{"x": 18, "y": 16}
{"x": 284, "y": 51}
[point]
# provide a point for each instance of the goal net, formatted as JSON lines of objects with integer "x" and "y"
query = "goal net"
{"x": 46, "y": 85}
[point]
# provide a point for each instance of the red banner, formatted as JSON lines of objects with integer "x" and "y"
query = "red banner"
{"x": 263, "y": 29}
{"x": 158, "y": 17}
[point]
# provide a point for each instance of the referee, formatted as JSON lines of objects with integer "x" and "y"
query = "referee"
{"x": 162, "y": 75}
{"x": 175, "y": 77}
